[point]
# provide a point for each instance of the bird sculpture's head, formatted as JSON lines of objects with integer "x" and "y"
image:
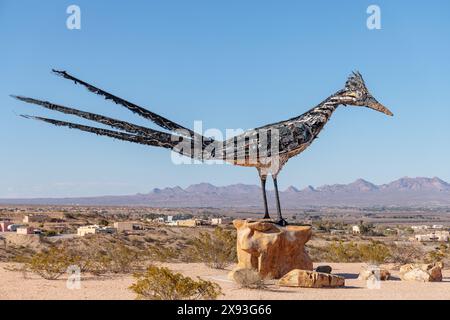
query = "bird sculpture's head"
{"x": 355, "y": 93}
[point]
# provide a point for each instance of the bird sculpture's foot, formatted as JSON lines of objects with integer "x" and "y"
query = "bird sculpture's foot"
{"x": 282, "y": 222}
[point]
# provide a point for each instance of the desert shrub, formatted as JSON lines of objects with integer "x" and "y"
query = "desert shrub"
{"x": 49, "y": 264}
{"x": 374, "y": 252}
{"x": 439, "y": 254}
{"x": 103, "y": 222}
{"x": 217, "y": 250}
{"x": 340, "y": 252}
{"x": 163, "y": 284}
{"x": 407, "y": 253}
{"x": 97, "y": 259}
{"x": 113, "y": 258}
{"x": 317, "y": 253}
{"x": 169, "y": 254}
{"x": 49, "y": 233}
{"x": 249, "y": 278}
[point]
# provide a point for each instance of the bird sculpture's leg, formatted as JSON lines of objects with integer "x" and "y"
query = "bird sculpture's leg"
{"x": 263, "y": 188}
{"x": 280, "y": 221}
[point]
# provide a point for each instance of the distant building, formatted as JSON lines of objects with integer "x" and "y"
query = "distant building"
{"x": 127, "y": 226}
{"x": 356, "y": 230}
{"x": 218, "y": 221}
{"x": 4, "y": 225}
{"x": 94, "y": 229}
{"x": 25, "y": 230}
{"x": 34, "y": 218}
{"x": 438, "y": 226}
{"x": 439, "y": 236}
{"x": 188, "y": 223}
{"x": 84, "y": 230}
{"x": 442, "y": 235}
{"x": 13, "y": 227}
{"x": 159, "y": 220}
{"x": 337, "y": 231}
{"x": 169, "y": 218}
{"x": 419, "y": 228}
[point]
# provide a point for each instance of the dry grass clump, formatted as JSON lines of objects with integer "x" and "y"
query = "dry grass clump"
{"x": 374, "y": 252}
{"x": 249, "y": 279}
{"x": 50, "y": 264}
{"x": 162, "y": 284}
{"x": 439, "y": 254}
{"x": 217, "y": 249}
{"x": 109, "y": 257}
{"x": 406, "y": 253}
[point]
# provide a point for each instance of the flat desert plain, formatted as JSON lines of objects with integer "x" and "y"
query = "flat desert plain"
{"x": 17, "y": 285}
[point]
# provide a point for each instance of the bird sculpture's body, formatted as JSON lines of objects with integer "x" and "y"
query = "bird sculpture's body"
{"x": 266, "y": 148}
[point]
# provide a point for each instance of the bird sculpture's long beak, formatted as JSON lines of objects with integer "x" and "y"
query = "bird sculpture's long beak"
{"x": 379, "y": 107}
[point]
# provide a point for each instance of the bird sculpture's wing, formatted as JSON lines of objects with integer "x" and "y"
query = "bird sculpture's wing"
{"x": 268, "y": 141}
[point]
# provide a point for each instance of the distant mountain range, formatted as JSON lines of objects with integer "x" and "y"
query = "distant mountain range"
{"x": 402, "y": 192}
{"x": 411, "y": 192}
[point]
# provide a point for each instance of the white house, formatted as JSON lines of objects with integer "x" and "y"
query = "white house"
{"x": 356, "y": 230}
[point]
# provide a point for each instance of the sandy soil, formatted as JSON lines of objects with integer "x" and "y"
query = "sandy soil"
{"x": 16, "y": 285}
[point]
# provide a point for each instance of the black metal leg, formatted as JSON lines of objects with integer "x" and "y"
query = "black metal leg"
{"x": 263, "y": 187}
{"x": 280, "y": 221}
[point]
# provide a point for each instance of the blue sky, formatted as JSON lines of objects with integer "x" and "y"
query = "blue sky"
{"x": 231, "y": 64}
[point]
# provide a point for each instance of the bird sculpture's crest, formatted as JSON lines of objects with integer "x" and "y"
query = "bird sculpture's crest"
{"x": 355, "y": 83}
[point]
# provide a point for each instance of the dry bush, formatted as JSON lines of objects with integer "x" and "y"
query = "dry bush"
{"x": 373, "y": 252}
{"x": 340, "y": 252}
{"x": 111, "y": 258}
{"x": 217, "y": 250}
{"x": 317, "y": 253}
{"x": 407, "y": 253}
{"x": 439, "y": 254}
{"x": 163, "y": 284}
{"x": 170, "y": 254}
{"x": 97, "y": 259}
{"x": 50, "y": 264}
{"x": 249, "y": 278}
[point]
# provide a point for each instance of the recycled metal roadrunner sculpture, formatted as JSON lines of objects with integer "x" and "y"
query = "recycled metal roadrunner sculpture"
{"x": 266, "y": 148}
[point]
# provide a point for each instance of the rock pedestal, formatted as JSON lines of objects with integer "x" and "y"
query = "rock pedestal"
{"x": 270, "y": 249}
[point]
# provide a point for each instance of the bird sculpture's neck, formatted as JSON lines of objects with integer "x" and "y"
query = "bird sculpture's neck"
{"x": 319, "y": 115}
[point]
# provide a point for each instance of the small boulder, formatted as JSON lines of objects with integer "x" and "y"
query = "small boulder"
{"x": 311, "y": 279}
{"x": 370, "y": 271}
{"x": 422, "y": 272}
{"x": 324, "y": 269}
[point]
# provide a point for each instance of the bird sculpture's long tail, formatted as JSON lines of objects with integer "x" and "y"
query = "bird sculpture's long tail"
{"x": 133, "y": 133}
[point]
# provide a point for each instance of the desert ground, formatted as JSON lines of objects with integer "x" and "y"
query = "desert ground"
{"x": 17, "y": 285}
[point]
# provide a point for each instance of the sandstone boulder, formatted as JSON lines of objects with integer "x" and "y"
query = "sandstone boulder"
{"x": 324, "y": 269}
{"x": 311, "y": 279}
{"x": 422, "y": 272}
{"x": 270, "y": 249}
{"x": 376, "y": 272}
